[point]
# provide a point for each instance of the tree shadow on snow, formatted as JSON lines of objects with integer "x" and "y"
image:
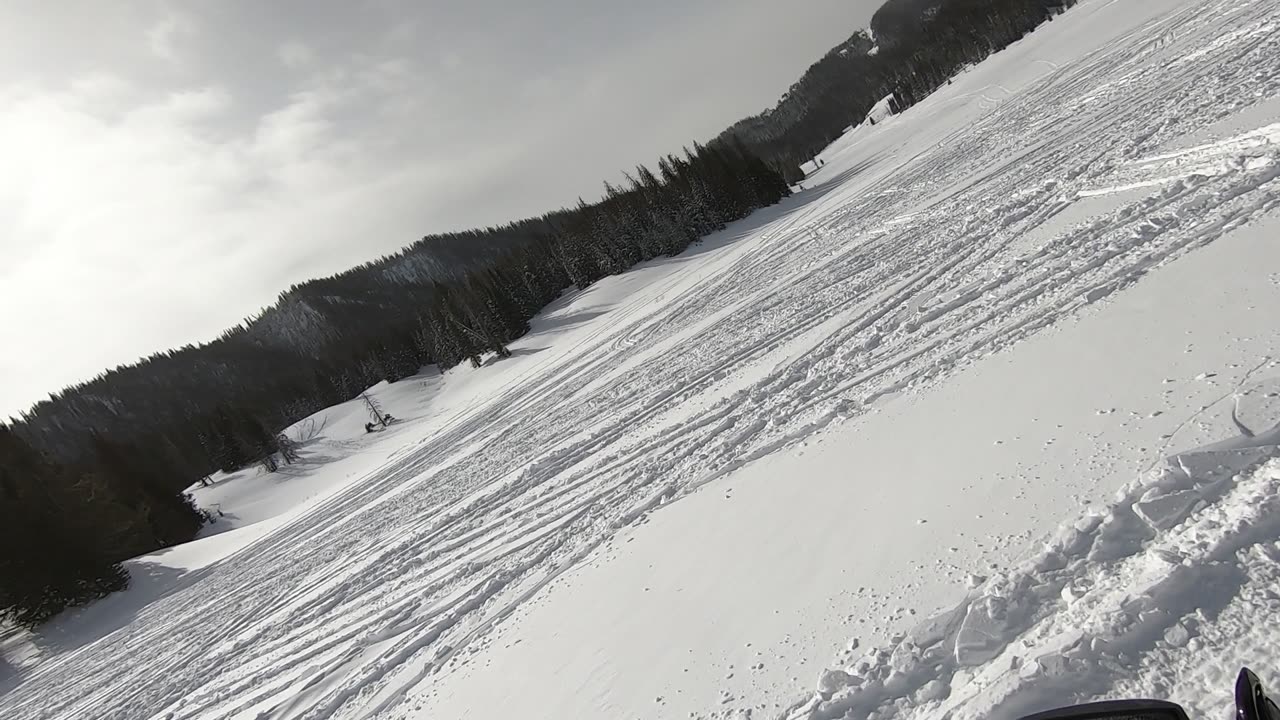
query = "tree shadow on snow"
{"x": 78, "y": 627}
{"x": 521, "y": 352}
{"x": 223, "y": 522}
{"x": 563, "y": 322}
{"x": 10, "y": 674}
{"x": 301, "y": 467}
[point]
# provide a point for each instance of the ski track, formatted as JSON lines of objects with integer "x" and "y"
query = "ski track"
{"x": 887, "y": 279}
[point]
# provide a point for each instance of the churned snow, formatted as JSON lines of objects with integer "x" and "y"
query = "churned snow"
{"x": 982, "y": 421}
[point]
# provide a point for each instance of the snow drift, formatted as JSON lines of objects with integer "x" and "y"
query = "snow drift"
{"x": 1114, "y": 601}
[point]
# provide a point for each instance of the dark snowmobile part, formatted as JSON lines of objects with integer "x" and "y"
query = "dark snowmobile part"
{"x": 1116, "y": 710}
{"x": 1252, "y": 703}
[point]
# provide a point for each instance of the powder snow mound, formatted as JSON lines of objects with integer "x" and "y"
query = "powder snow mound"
{"x": 1120, "y": 602}
{"x": 880, "y": 111}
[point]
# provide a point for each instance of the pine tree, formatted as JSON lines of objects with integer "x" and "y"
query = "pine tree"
{"x": 375, "y": 410}
{"x": 49, "y": 559}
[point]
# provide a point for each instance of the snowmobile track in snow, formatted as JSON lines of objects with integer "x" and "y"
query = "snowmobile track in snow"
{"x": 886, "y": 280}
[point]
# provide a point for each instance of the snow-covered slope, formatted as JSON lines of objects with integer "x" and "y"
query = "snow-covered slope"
{"x": 692, "y": 484}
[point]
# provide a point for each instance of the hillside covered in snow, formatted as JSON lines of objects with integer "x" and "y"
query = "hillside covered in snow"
{"x": 983, "y": 420}
{"x": 97, "y": 474}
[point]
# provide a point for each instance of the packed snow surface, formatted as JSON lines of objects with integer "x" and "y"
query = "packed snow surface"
{"x": 1009, "y": 362}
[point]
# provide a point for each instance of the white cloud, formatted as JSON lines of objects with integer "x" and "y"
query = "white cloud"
{"x": 128, "y": 231}
{"x": 134, "y": 218}
{"x": 168, "y": 174}
{"x": 166, "y": 37}
{"x": 102, "y": 90}
{"x": 295, "y": 55}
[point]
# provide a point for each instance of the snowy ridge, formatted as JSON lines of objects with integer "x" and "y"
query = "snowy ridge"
{"x": 922, "y": 247}
{"x": 1113, "y": 605}
{"x": 292, "y": 322}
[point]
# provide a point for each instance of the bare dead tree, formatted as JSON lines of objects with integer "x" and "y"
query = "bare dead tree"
{"x": 288, "y": 448}
{"x": 375, "y": 410}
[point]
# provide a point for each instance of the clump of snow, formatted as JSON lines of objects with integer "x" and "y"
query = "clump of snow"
{"x": 1200, "y": 534}
{"x": 881, "y": 111}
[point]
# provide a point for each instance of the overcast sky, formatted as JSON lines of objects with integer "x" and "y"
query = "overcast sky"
{"x": 167, "y": 168}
